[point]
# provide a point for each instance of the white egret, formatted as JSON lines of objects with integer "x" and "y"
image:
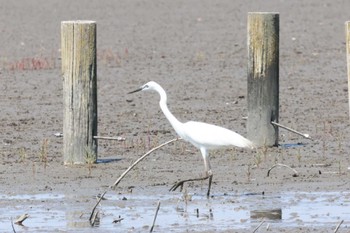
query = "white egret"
{"x": 202, "y": 135}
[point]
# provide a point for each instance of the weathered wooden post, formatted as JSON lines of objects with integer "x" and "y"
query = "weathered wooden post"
{"x": 263, "y": 77}
{"x": 347, "y": 31}
{"x": 78, "y": 52}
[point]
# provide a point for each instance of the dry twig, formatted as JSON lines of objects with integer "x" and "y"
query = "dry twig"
{"x": 110, "y": 138}
{"x": 13, "y": 227}
{"x": 140, "y": 159}
{"x": 337, "y": 228}
{"x": 21, "y": 219}
{"x": 305, "y": 135}
{"x": 95, "y": 219}
{"x": 283, "y": 165}
{"x": 126, "y": 172}
{"x": 261, "y": 223}
{"x": 118, "y": 220}
{"x": 155, "y": 217}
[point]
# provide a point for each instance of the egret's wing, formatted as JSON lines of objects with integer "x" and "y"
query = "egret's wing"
{"x": 212, "y": 136}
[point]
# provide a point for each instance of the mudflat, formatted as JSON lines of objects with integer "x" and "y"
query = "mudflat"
{"x": 197, "y": 51}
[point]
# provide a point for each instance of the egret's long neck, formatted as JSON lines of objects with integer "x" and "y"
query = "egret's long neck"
{"x": 171, "y": 118}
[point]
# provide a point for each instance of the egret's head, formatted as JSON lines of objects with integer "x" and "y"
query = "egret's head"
{"x": 147, "y": 87}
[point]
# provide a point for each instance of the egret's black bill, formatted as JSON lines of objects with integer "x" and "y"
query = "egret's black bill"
{"x": 137, "y": 90}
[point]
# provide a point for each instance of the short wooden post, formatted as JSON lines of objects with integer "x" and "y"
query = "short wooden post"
{"x": 263, "y": 77}
{"x": 347, "y": 31}
{"x": 78, "y": 52}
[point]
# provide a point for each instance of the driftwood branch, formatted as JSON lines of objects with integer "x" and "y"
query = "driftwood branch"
{"x": 282, "y": 165}
{"x": 127, "y": 171}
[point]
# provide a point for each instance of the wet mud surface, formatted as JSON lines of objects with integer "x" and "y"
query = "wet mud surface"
{"x": 197, "y": 51}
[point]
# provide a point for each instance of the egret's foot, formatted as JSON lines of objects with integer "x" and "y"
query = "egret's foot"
{"x": 178, "y": 184}
{"x": 181, "y": 183}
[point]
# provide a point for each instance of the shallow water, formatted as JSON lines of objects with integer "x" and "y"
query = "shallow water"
{"x": 59, "y": 212}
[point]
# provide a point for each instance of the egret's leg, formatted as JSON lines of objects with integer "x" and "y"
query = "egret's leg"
{"x": 207, "y": 167}
{"x": 210, "y": 179}
{"x": 208, "y": 174}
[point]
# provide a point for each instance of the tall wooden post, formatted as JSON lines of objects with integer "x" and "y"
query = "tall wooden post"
{"x": 347, "y": 31}
{"x": 263, "y": 77}
{"x": 78, "y": 52}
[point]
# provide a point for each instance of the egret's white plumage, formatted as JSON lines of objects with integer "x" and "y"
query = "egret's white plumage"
{"x": 202, "y": 135}
{"x": 212, "y": 137}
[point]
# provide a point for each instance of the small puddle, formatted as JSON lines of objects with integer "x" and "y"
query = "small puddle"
{"x": 58, "y": 212}
{"x": 292, "y": 145}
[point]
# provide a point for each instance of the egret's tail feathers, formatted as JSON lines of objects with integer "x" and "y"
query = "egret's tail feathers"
{"x": 246, "y": 143}
{"x": 251, "y": 145}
